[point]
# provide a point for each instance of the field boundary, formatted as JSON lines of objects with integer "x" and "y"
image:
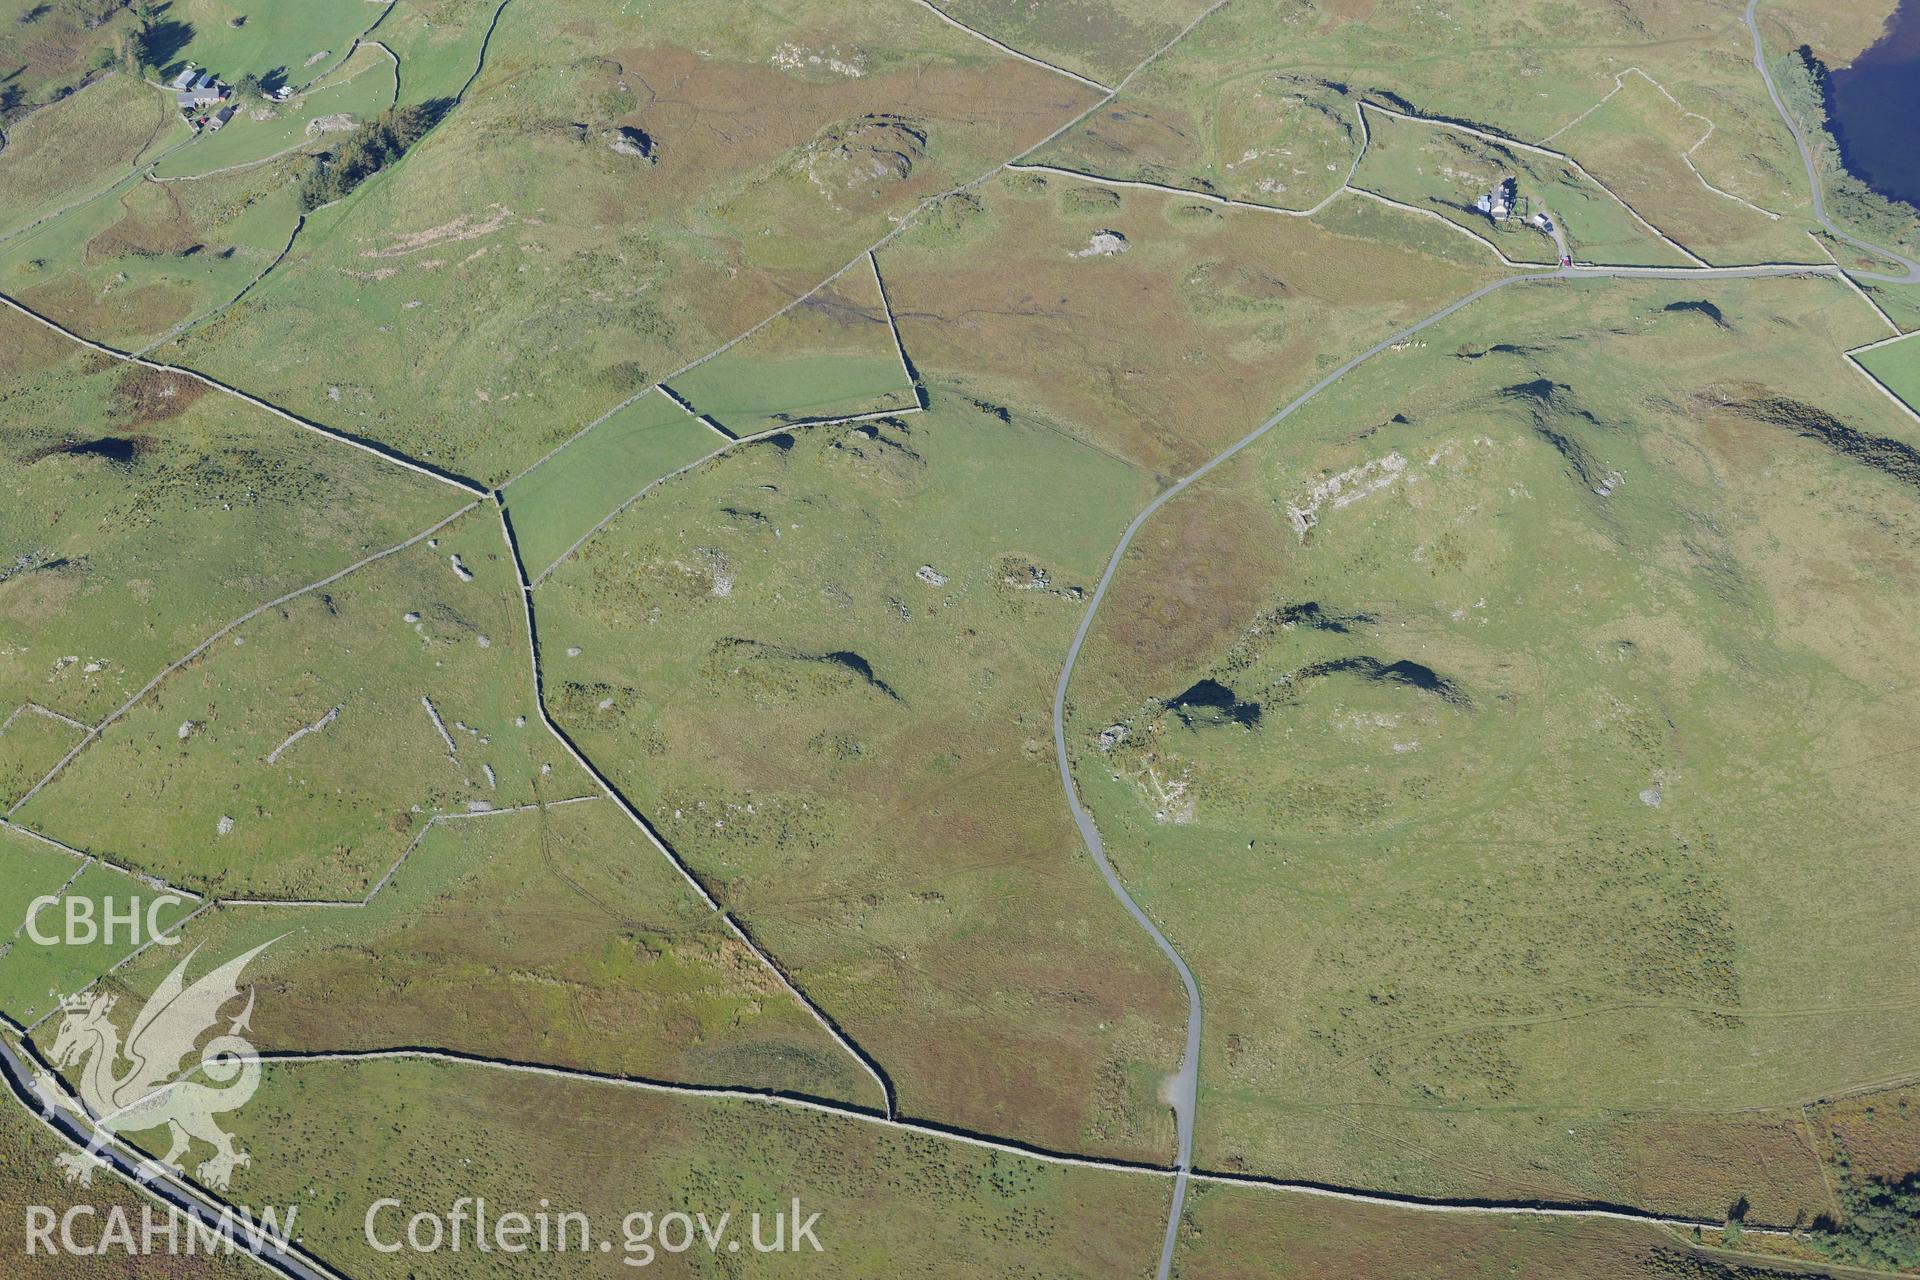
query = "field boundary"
{"x": 1619, "y": 83}
{"x": 383, "y": 452}
{"x": 1594, "y": 1210}
{"x": 1874, "y": 379}
{"x": 1008, "y": 49}
{"x": 828, "y": 1024}
{"x": 1560, "y": 156}
{"x": 47, "y": 712}
{"x": 1182, "y": 1169}
{"x": 901, "y": 224}
{"x": 93, "y": 733}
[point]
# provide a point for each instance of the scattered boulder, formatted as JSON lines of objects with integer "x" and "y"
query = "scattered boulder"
{"x": 638, "y": 143}
{"x": 1102, "y": 244}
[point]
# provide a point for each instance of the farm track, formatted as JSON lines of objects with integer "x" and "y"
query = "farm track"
{"x": 1182, "y": 1171}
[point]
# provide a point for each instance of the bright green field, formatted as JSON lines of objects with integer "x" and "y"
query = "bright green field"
{"x": 437, "y": 42}
{"x": 33, "y": 868}
{"x": 748, "y": 396}
{"x": 1897, "y": 366}
{"x": 275, "y": 36}
{"x": 210, "y": 787}
{"x": 556, "y": 503}
{"x": 362, "y": 89}
{"x": 831, "y": 356}
{"x": 34, "y": 976}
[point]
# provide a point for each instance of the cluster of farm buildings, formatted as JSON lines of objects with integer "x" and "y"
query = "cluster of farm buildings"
{"x": 200, "y": 91}
{"x": 204, "y": 99}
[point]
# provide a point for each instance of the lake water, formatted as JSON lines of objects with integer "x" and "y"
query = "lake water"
{"x": 1874, "y": 109}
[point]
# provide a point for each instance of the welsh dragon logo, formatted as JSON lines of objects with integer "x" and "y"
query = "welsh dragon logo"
{"x": 155, "y": 1079}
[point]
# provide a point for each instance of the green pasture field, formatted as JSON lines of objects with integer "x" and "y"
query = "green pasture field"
{"x": 1517, "y": 741}
{"x": 361, "y": 88}
{"x": 749, "y": 395}
{"x": 275, "y": 36}
{"x": 557, "y": 936}
{"x": 35, "y": 976}
{"x": 67, "y": 151}
{"x": 437, "y": 42}
{"x": 831, "y": 356}
{"x": 30, "y": 744}
{"x": 129, "y": 266}
{"x": 1445, "y": 171}
{"x": 33, "y": 868}
{"x": 1637, "y": 143}
{"x": 852, "y": 751}
{"x": 558, "y": 502}
{"x": 210, "y": 786}
{"x": 184, "y": 509}
{"x": 1897, "y": 368}
{"x": 513, "y": 276}
{"x": 890, "y": 1204}
{"x": 1240, "y": 310}
{"x": 1561, "y": 874}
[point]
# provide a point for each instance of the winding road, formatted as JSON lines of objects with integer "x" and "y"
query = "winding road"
{"x": 178, "y": 1196}
{"x": 1183, "y": 1086}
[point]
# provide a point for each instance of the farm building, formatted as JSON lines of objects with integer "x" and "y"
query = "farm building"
{"x": 203, "y": 90}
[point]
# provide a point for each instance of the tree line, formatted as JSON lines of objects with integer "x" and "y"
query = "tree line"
{"x": 368, "y": 149}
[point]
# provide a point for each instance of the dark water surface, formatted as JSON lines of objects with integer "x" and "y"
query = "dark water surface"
{"x": 1874, "y": 109}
